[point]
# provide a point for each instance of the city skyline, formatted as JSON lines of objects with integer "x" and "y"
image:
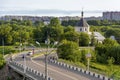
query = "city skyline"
{"x": 57, "y": 8}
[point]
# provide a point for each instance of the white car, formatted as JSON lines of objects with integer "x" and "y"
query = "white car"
{"x": 29, "y": 53}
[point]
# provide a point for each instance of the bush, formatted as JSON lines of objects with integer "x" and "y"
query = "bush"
{"x": 7, "y": 50}
{"x": 2, "y": 61}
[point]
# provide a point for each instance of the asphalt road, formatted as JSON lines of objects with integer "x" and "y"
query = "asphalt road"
{"x": 55, "y": 72}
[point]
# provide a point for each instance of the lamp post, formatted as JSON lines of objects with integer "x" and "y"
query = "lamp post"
{"x": 38, "y": 44}
{"x": 24, "y": 57}
{"x": 46, "y": 55}
{"x": 47, "y": 41}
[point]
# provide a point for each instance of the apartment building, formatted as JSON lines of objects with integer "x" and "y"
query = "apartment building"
{"x": 111, "y": 15}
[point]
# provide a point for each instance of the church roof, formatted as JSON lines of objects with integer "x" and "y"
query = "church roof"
{"x": 82, "y": 22}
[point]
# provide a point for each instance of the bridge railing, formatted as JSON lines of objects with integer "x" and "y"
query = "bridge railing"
{"x": 30, "y": 73}
{"x": 79, "y": 70}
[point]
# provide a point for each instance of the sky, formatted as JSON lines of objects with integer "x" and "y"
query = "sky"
{"x": 58, "y": 7}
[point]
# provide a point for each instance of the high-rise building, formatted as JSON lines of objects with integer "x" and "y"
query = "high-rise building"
{"x": 111, "y": 15}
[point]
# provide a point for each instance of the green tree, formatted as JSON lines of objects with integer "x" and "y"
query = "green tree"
{"x": 5, "y": 31}
{"x": 94, "y": 22}
{"x": 109, "y": 42}
{"x": 109, "y": 48}
{"x": 93, "y": 40}
{"x": 72, "y": 36}
{"x": 110, "y": 64}
{"x": 2, "y": 61}
{"x": 54, "y": 22}
{"x": 69, "y": 50}
{"x": 55, "y": 33}
{"x": 69, "y": 28}
{"x": 84, "y": 39}
{"x": 39, "y": 24}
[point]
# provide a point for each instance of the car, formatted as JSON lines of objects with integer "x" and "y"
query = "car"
{"x": 29, "y": 53}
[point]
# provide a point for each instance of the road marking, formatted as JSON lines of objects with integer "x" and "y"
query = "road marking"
{"x": 56, "y": 71}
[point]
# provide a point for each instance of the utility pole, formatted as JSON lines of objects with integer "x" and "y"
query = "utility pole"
{"x": 24, "y": 67}
{"x": 46, "y": 70}
{"x": 46, "y": 57}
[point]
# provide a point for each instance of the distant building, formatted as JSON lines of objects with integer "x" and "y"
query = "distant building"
{"x": 111, "y": 15}
{"x": 112, "y": 37}
{"x": 99, "y": 37}
{"x": 82, "y": 25}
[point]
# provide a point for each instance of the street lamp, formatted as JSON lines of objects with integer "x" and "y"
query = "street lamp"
{"x": 46, "y": 56}
{"x": 38, "y": 44}
{"x": 47, "y": 41}
{"x": 24, "y": 57}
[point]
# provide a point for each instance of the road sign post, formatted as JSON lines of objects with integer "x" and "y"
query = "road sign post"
{"x": 88, "y": 56}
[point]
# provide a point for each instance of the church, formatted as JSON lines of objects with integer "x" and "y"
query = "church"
{"x": 82, "y": 25}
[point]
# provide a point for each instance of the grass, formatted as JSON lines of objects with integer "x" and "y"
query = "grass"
{"x": 38, "y": 54}
{"x": 77, "y": 64}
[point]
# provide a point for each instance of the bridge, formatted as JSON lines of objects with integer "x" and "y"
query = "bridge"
{"x": 34, "y": 69}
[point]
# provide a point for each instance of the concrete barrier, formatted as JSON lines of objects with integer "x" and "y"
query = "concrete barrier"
{"x": 67, "y": 66}
{"x": 80, "y": 70}
{"x": 71, "y": 67}
{"x": 100, "y": 76}
{"x": 87, "y": 72}
{"x": 64, "y": 65}
{"x": 96, "y": 75}
{"x": 55, "y": 62}
{"x": 74, "y": 68}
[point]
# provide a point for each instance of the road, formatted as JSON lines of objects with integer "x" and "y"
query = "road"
{"x": 55, "y": 72}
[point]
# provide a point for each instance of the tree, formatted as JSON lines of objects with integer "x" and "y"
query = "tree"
{"x": 109, "y": 42}
{"x": 94, "y": 22}
{"x": 84, "y": 39}
{"x": 39, "y": 24}
{"x": 109, "y": 48}
{"x": 54, "y": 22}
{"x": 39, "y": 34}
{"x": 110, "y": 64}
{"x": 55, "y": 33}
{"x": 113, "y": 32}
{"x": 72, "y": 36}
{"x": 2, "y": 61}
{"x": 69, "y": 50}
{"x": 5, "y": 31}
{"x": 69, "y": 28}
{"x": 93, "y": 40}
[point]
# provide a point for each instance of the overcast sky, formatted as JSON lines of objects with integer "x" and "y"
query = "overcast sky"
{"x": 67, "y": 5}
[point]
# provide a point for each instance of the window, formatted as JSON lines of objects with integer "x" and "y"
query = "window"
{"x": 80, "y": 29}
{"x": 85, "y": 29}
